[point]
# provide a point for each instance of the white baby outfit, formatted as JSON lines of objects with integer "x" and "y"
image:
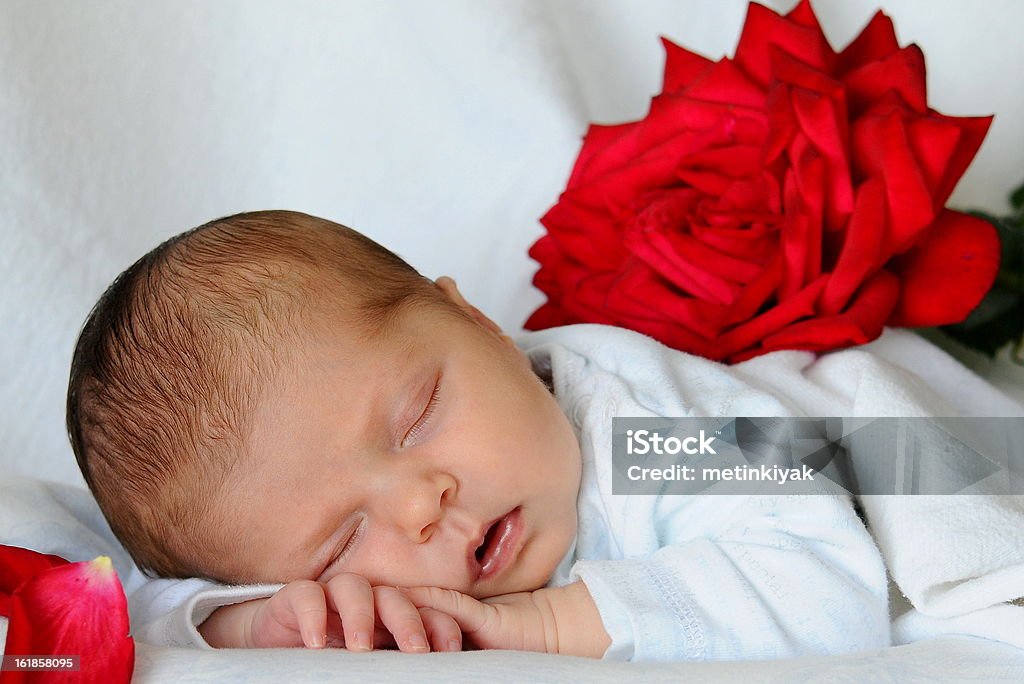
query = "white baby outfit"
{"x": 673, "y": 577}
{"x": 706, "y": 577}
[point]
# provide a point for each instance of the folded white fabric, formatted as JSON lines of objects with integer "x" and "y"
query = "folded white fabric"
{"x": 1003, "y": 622}
{"x": 952, "y": 555}
{"x": 958, "y": 559}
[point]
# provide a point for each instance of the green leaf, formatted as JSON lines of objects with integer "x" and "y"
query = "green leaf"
{"x": 1017, "y": 198}
{"x": 996, "y": 321}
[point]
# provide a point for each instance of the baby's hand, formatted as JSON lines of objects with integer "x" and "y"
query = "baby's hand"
{"x": 550, "y": 620}
{"x": 522, "y": 621}
{"x": 345, "y": 611}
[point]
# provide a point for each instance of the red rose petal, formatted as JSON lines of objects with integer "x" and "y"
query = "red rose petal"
{"x": 764, "y": 30}
{"x": 587, "y": 233}
{"x": 862, "y": 322}
{"x": 753, "y": 242}
{"x": 74, "y": 609}
{"x": 604, "y": 148}
{"x": 734, "y": 161}
{"x": 820, "y": 121}
{"x": 876, "y": 42}
{"x": 654, "y": 248}
{"x": 708, "y": 124}
{"x": 782, "y": 123}
{"x": 727, "y": 84}
{"x": 902, "y": 73}
{"x": 682, "y": 67}
{"x": 548, "y": 315}
{"x": 786, "y": 69}
{"x": 643, "y": 294}
{"x": 803, "y": 14}
{"x": 757, "y": 292}
{"x": 750, "y": 333}
{"x": 800, "y": 238}
{"x": 614, "y": 191}
{"x": 817, "y": 106}
{"x": 946, "y": 275}
{"x": 935, "y": 142}
{"x": 973, "y": 130}
{"x": 17, "y": 566}
{"x": 675, "y": 336}
{"x": 881, "y": 146}
{"x": 861, "y": 253}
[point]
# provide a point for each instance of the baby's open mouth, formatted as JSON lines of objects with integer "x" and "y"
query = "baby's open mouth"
{"x": 499, "y": 544}
{"x": 481, "y": 550}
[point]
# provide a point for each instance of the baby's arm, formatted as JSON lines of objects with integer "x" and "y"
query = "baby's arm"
{"x": 746, "y": 578}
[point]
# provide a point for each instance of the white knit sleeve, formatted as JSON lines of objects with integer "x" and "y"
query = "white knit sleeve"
{"x": 771, "y": 577}
{"x": 166, "y": 612}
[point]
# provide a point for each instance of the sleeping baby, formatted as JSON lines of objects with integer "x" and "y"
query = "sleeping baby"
{"x": 312, "y": 444}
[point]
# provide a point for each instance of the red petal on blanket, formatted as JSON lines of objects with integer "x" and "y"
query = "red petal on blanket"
{"x": 17, "y": 566}
{"x": 73, "y": 609}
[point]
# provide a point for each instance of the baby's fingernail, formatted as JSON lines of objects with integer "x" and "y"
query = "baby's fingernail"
{"x": 418, "y": 642}
{"x": 454, "y": 645}
{"x": 362, "y": 641}
{"x": 315, "y": 640}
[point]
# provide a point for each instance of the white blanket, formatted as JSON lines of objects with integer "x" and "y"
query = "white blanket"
{"x": 959, "y": 560}
{"x": 976, "y": 556}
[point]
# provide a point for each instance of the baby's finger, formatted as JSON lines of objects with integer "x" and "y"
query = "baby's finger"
{"x": 351, "y": 597}
{"x": 442, "y": 630}
{"x": 401, "y": 618}
{"x": 470, "y": 614}
{"x": 305, "y": 600}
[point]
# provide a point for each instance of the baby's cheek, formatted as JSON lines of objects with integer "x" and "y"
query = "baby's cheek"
{"x": 381, "y": 565}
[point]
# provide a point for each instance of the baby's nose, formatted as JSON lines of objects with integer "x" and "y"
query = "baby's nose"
{"x": 420, "y": 505}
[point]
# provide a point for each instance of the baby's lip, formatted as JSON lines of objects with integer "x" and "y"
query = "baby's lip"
{"x": 504, "y": 554}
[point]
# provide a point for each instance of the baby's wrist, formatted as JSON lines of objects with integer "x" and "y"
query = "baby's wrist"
{"x": 230, "y": 626}
{"x": 578, "y": 627}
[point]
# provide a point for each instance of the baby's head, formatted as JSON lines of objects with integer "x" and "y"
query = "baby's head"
{"x": 272, "y": 396}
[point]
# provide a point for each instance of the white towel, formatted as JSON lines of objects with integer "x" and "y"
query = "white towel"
{"x": 958, "y": 559}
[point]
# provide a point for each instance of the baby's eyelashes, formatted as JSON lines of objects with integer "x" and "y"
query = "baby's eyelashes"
{"x": 424, "y": 419}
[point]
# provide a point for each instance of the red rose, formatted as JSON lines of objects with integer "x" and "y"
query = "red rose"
{"x": 789, "y": 198}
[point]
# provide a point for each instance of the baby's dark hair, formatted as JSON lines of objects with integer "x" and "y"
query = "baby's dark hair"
{"x": 171, "y": 361}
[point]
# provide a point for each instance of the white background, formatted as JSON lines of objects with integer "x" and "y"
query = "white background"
{"x": 442, "y": 129}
